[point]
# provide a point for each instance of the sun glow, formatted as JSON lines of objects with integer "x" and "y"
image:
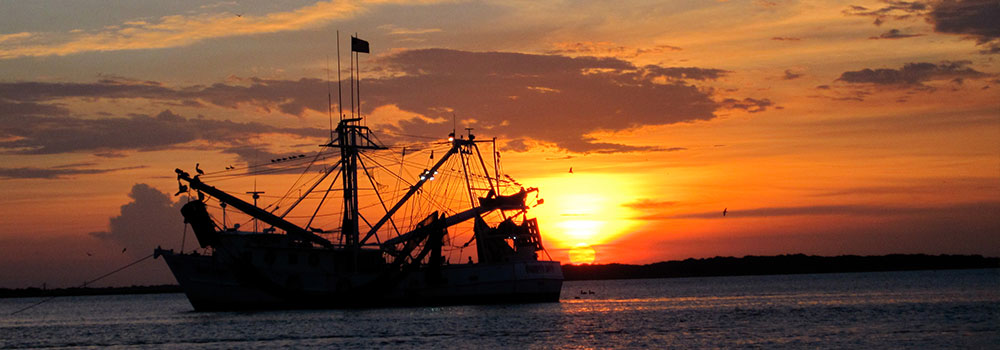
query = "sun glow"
{"x": 582, "y": 211}
{"x": 582, "y": 254}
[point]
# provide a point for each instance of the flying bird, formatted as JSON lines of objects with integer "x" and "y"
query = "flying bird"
{"x": 238, "y": 14}
{"x": 196, "y": 168}
{"x": 123, "y": 250}
{"x": 570, "y": 170}
{"x": 724, "y": 211}
{"x": 89, "y": 254}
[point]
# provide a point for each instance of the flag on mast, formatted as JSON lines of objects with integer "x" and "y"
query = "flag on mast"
{"x": 358, "y": 45}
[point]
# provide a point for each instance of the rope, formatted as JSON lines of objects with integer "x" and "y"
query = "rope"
{"x": 84, "y": 284}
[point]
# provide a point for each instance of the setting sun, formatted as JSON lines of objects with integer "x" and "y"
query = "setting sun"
{"x": 583, "y": 210}
{"x": 582, "y": 254}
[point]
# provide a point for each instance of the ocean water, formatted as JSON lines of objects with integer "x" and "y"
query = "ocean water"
{"x": 915, "y": 309}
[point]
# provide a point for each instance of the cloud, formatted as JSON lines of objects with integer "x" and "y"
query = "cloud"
{"x": 682, "y": 73}
{"x": 22, "y": 109}
{"x": 986, "y": 209}
{"x": 52, "y": 135}
{"x": 57, "y": 172}
{"x": 150, "y": 220}
{"x": 912, "y": 74}
{"x": 394, "y": 30}
{"x": 292, "y": 97}
{"x": 173, "y": 31}
{"x": 789, "y": 75}
{"x": 894, "y": 34}
{"x": 782, "y": 38}
{"x": 747, "y": 104}
{"x": 976, "y": 19}
{"x": 583, "y": 95}
{"x": 607, "y": 49}
{"x": 545, "y": 99}
{"x": 892, "y": 10}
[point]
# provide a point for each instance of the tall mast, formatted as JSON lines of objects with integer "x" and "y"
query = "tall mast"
{"x": 352, "y": 138}
{"x": 340, "y": 95}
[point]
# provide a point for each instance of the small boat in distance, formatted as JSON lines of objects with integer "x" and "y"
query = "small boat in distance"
{"x": 410, "y": 254}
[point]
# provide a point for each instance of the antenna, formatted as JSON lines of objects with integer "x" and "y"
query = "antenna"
{"x": 255, "y": 193}
{"x": 357, "y": 58}
{"x": 329, "y": 98}
{"x": 352, "y": 77}
{"x": 340, "y": 95}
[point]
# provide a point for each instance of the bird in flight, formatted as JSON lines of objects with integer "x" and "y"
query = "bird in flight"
{"x": 570, "y": 170}
{"x": 724, "y": 211}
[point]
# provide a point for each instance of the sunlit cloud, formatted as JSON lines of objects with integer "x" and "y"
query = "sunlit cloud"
{"x": 986, "y": 209}
{"x": 607, "y": 49}
{"x": 176, "y": 30}
{"x": 394, "y": 30}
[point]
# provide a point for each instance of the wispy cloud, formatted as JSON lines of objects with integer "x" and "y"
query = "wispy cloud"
{"x": 53, "y": 135}
{"x": 394, "y": 30}
{"x": 53, "y": 173}
{"x": 894, "y": 34}
{"x": 912, "y": 74}
{"x": 987, "y": 209}
{"x": 973, "y": 19}
{"x": 608, "y": 49}
{"x": 893, "y": 9}
{"x": 174, "y": 30}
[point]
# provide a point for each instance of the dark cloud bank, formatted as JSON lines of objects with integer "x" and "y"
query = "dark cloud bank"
{"x": 28, "y": 134}
{"x": 972, "y": 19}
{"x": 546, "y": 98}
{"x": 912, "y": 74}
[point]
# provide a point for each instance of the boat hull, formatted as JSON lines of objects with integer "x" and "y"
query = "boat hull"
{"x": 213, "y": 284}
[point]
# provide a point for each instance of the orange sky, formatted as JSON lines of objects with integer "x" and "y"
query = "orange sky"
{"x": 823, "y": 127}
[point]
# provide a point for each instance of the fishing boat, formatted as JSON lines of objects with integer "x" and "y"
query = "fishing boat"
{"x": 399, "y": 218}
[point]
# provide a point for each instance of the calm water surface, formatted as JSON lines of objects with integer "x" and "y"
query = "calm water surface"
{"x": 917, "y": 309}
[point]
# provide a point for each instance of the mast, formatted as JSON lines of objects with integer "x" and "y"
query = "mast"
{"x": 352, "y": 138}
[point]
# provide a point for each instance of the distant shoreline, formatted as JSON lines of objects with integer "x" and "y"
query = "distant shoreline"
{"x": 778, "y": 265}
{"x": 707, "y": 267}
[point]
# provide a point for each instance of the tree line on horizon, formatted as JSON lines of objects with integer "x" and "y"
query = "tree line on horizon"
{"x": 777, "y": 265}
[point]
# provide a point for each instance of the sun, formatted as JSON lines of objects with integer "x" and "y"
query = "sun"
{"x": 582, "y": 210}
{"x": 582, "y": 254}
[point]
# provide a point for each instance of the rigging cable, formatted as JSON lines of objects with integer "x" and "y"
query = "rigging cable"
{"x": 84, "y": 284}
